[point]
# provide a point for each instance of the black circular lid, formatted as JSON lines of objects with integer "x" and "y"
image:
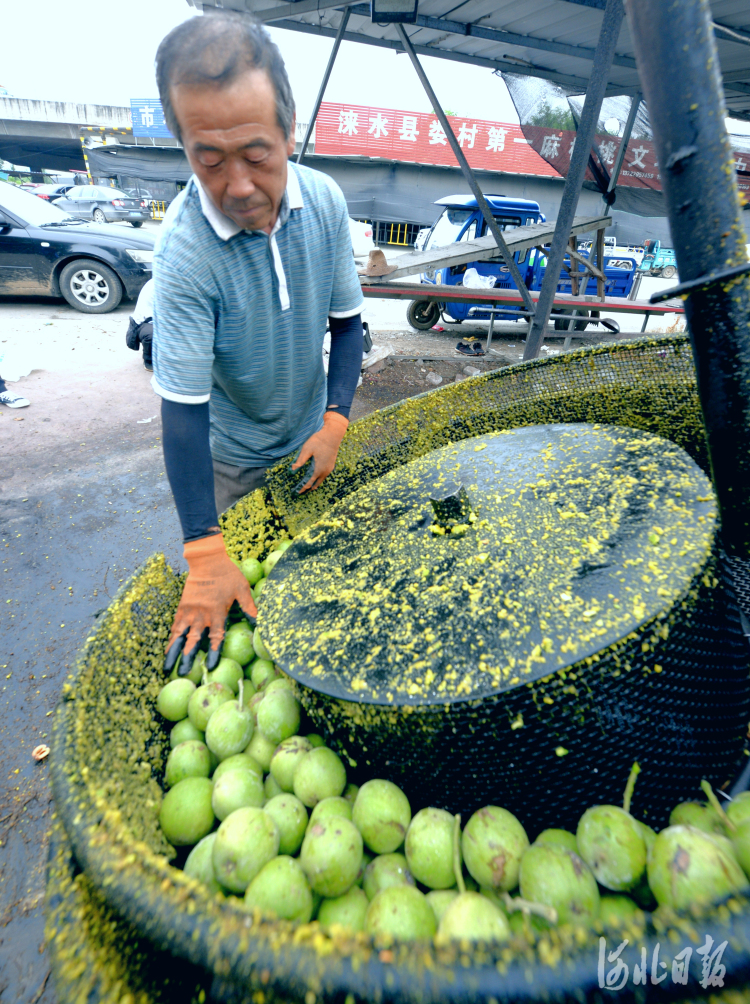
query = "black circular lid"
{"x": 489, "y": 563}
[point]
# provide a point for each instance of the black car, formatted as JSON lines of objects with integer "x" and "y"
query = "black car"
{"x": 104, "y": 205}
{"x": 48, "y": 192}
{"x": 45, "y": 251}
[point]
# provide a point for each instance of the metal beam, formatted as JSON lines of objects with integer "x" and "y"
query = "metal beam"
{"x": 610, "y": 32}
{"x": 511, "y": 38}
{"x": 697, "y": 169}
{"x": 566, "y": 79}
{"x": 469, "y": 29}
{"x": 324, "y": 82}
{"x": 458, "y": 153}
{"x": 292, "y": 9}
{"x": 617, "y": 166}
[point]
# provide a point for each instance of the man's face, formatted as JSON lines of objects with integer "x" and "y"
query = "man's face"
{"x": 235, "y": 146}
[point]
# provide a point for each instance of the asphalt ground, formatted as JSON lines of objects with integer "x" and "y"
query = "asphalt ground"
{"x": 83, "y": 501}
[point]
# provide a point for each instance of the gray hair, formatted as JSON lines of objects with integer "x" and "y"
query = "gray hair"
{"x": 214, "y": 50}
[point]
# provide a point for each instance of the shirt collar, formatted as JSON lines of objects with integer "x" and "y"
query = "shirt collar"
{"x": 225, "y": 228}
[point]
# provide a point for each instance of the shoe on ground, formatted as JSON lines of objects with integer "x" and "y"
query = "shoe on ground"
{"x": 477, "y": 349}
{"x": 12, "y": 400}
{"x": 148, "y": 366}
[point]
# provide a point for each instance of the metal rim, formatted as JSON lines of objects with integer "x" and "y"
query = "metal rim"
{"x": 99, "y": 216}
{"x": 89, "y": 287}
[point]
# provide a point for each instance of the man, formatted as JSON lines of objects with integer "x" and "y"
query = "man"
{"x": 256, "y": 257}
{"x": 141, "y": 324}
{"x": 10, "y": 399}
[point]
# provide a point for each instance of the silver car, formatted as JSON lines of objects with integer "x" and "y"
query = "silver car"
{"x": 104, "y": 205}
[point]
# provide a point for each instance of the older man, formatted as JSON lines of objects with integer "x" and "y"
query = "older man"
{"x": 256, "y": 258}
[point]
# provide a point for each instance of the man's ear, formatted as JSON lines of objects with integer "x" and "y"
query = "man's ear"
{"x": 292, "y": 141}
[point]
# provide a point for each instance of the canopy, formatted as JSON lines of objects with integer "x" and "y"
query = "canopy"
{"x": 551, "y": 39}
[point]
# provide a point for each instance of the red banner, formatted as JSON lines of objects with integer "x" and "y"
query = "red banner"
{"x": 418, "y": 138}
{"x": 640, "y": 168}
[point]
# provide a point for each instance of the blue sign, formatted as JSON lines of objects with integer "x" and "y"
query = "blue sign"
{"x": 148, "y": 117}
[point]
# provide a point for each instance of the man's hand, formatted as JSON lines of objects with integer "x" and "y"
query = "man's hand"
{"x": 323, "y": 447}
{"x": 214, "y": 582}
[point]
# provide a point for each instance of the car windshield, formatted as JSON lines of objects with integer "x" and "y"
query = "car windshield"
{"x": 448, "y": 227}
{"x": 30, "y": 208}
{"x": 114, "y": 193}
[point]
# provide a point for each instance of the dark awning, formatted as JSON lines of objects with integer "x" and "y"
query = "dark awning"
{"x": 146, "y": 162}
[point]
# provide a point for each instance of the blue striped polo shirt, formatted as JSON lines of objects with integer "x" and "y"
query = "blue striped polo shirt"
{"x": 240, "y": 316}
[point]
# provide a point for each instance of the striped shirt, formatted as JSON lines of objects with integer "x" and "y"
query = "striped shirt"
{"x": 240, "y": 316}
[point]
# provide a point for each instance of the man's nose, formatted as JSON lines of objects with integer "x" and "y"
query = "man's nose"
{"x": 239, "y": 179}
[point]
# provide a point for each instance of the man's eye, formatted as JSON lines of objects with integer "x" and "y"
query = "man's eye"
{"x": 209, "y": 161}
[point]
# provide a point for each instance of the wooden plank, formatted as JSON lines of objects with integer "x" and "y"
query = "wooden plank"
{"x": 482, "y": 249}
{"x": 509, "y": 297}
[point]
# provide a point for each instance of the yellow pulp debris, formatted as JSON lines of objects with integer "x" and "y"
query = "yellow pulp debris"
{"x": 578, "y": 536}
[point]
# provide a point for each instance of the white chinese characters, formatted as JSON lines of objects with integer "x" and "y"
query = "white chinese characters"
{"x": 550, "y": 145}
{"x": 409, "y": 131}
{"x": 607, "y": 152}
{"x": 147, "y": 117}
{"x": 437, "y": 134}
{"x": 348, "y": 122}
{"x": 638, "y": 154}
{"x": 655, "y": 971}
{"x": 378, "y": 126}
{"x": 496, "y": 137}
{"x": 467, "y": 133}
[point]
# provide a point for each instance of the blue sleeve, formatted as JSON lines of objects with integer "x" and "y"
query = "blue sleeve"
{"x": 345, "y": 362}
{"x": 187, "y": 458}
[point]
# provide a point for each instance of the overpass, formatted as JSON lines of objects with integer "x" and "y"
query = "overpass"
{"x": 52, "y": 134}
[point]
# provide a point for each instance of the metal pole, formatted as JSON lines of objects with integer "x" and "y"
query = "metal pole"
{"x": 490, "y": 220}
{"x": 687, "y": 111}
{"x": 324, "y": 82}
{"x": 605, "y": 50}
{"x": 635, "y": 104}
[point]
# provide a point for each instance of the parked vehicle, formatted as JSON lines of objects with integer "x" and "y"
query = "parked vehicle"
{"x": 48, "y": 192}
{"x": 45, "y": 251}
{"x": 611, "y": 247}
{"x": 421, "y": 238}
{"x": 362, "y": 242}
{"x": 104, "y": 205}
{"x": 658, "y": 260}
{"x": 461, "y": 220}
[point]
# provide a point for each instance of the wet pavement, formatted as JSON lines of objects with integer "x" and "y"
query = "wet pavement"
{"x": 83, "y": 500}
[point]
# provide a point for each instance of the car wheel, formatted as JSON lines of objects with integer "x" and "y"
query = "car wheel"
{"x": 136, "y": 225}
{"x": 90, "y": 286}
{"x": 98, "y": 216}
{"x": 668, "y": 272}
{"x": 423, "y": 314}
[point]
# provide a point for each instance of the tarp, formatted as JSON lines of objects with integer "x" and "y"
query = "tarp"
{"x": 148, "y": 163}
{"x": 549, "y": 114}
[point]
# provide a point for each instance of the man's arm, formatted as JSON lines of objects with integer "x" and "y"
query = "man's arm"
{"x": 184, "y": 331}
{"x": 187, "y": 458}
{"x": 214, "y": 582}
{"x": 345, "y": 362}
{"x": 344, "y": 365}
